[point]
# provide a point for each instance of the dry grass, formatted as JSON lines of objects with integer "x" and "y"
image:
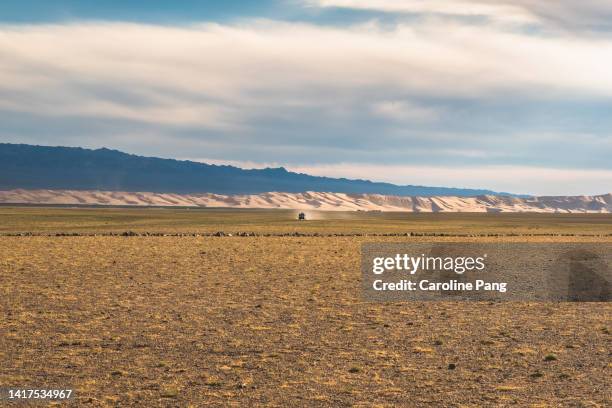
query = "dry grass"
{"x": 171, "y": 220}
{"x": 275, "y": 321}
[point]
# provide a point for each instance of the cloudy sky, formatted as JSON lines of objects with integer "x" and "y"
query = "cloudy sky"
{"x": 507, "y": 95}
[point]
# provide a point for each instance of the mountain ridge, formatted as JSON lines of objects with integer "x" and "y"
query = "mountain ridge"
{"x": 25, "y": 166}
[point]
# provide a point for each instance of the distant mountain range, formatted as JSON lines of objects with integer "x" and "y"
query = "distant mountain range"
{"x": 71, "y": 168}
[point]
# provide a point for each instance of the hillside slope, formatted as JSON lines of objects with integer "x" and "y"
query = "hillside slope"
{"x": 68, "y": 168}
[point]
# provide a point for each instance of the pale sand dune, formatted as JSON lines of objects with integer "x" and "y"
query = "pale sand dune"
{"x": 317, "y": 201}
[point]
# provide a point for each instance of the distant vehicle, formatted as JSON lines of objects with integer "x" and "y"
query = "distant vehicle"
{"x": 301, "y": 216}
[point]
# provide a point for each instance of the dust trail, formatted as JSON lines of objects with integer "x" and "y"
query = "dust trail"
{"x": 321, "y": 215}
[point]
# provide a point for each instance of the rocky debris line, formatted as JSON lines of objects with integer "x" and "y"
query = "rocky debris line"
{"x": 289, "y": 234}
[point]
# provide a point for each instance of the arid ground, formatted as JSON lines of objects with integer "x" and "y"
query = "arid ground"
{"x": 182, "y": 318}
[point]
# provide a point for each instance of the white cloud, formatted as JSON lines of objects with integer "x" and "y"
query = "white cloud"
{"x": 502, "y": 11}
{"x": 516, "y": 179}
{"x": 211, "y": 73}
{"x": 274, "y": 62}
{"x": 403, "y": 111}
{"x": 583, "y": 16}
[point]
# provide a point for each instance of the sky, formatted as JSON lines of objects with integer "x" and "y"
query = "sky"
{"x": 512, "y": 96}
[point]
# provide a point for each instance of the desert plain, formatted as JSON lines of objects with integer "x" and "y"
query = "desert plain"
{"x": 184, "y": 307}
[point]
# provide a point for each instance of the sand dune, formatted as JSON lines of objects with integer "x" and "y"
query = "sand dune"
{"x": 317, "y": 201}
